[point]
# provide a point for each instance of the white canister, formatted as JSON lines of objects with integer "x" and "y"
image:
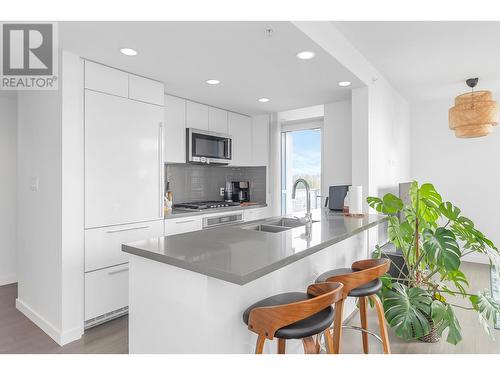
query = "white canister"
{"x": 356, "y": 200}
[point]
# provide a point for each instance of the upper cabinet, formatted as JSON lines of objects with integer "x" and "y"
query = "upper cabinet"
{"x": 117, "y": 82}
{"x": 240, "y": 128}
{"x": 260, "y": 140}
{"x": 175, "y": 129}
{"x": 105, "y": 79}
{"x": 196, "y": 115}
{"x": 217, "y": 120}
{"x": 145, "y": 90}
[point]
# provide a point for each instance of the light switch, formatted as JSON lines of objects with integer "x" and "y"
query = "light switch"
{"x": 34, "y": 183}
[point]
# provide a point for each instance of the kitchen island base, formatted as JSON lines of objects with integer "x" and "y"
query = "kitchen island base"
{"x": 174, "y": 310}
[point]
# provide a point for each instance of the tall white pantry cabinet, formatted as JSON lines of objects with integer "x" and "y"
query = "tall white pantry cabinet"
{"x": 124, "y": 161}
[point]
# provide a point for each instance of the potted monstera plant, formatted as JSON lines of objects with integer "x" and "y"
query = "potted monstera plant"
{"x": 433, "y": 237}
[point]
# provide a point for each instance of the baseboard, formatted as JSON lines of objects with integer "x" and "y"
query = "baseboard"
{"x": 8, "y": 279}
{"x": 61, "y": 338}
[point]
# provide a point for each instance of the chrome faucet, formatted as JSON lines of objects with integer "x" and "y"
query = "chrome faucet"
{"x": 308, "y": 217}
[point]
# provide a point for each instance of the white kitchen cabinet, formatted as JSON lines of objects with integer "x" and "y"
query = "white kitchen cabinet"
{"x": 123, "y": 160}
{"x": 105, "y": 79}
{"x": 175, "y": 129}
{"x": 240, "y": 128}
{"x": 217, "y": 120}
{"x": 196, "y": 115}
{"x": 260, "y": 140}
{"x": 146, "y": 90}
{"x": 106, "y": 290}
{"x": 183, "y": 225}
{"x": 103, "y": 246}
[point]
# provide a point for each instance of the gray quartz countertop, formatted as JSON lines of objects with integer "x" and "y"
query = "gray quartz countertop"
{"x": 177, "y": 213}
{"x": 239, "y": 254}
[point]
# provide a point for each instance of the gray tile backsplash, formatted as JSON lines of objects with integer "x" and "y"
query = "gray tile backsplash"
{"x": 193, "y": 182}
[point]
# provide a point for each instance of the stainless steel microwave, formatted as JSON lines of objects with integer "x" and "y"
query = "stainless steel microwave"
{"x": 207, "y": 147}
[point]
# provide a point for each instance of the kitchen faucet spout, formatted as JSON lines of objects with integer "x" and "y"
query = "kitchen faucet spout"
{"x": 308, "y": 216}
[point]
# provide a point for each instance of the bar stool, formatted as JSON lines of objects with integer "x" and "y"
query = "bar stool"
{"x": 361, "y": 281}
{"x": 295, "y": 315}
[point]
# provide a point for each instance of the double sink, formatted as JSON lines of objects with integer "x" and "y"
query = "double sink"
{"x": 276, "y": 225}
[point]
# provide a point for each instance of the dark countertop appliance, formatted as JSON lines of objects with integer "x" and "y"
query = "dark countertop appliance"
{"x": 203, "y": 205}
{"x": 240, "y": 191}
{"x": 336, "y": 196}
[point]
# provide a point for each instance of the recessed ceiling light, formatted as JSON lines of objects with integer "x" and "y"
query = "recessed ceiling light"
{"x": 344, "y": 83}
{"x": 263, "y": 100}
{"x": 128, "y": 51}
{"x": 305, "y": 55}
{"x": 213, "y": 81}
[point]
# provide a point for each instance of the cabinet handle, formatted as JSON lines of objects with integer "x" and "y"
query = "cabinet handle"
{"x": 118, "y": 271}
{"x": 126, "y": 229}
{"x": 184, "y": 222}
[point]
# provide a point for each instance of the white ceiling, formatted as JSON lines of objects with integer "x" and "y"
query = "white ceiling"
{"x": 249, "y": 64}
{"x": 430, "y": 60}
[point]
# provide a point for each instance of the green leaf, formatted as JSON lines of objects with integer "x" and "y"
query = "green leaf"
{"x": 449, "y": 211}
{"x": 465, "y": 221}
{"x": 425, "y": 201}
{"x": 400, "y": 234}
{"x": 430, "y": 196}
{"x": 406, "y": 310}
{"x": 442, "y": 248}
{"x": 386, "y": 281}
{"x": 487, "y": 308}
{"x": 438, "y": 312}
{"x": 458, "y": 278}
{"x": 450, "y": 321}
{"x": 389, "y": 204}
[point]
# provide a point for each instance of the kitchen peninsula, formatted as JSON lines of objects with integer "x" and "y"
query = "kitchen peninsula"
{"x": 187, "y": 292}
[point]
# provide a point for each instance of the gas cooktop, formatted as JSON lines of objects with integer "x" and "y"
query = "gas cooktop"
{"x": 204, "y": 205}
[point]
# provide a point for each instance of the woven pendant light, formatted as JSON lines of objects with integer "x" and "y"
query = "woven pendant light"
{"x": 474, "y": 114}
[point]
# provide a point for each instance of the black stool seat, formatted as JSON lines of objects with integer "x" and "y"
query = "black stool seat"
{"x": 304, "y": 328}
{"x": 364, "y": 290}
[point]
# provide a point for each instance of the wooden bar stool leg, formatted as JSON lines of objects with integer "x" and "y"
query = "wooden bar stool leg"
{"x": 381, "y": 323}
{"x": 259, "y": 347}
{"x": 281, "y": 346}
{"x": 318, "y": 343}
{"x": 309, "y": 345}
{"x": 337, "y": 325}
{"x": 330, "y": 349}
{"x": 364, "y": 322}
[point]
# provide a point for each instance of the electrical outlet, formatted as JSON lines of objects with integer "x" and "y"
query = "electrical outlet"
{"x": 221, "y": 191}
{"x": 34, "y": 183}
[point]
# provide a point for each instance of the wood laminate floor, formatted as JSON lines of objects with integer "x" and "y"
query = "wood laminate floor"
{"x": 19, "y": 335}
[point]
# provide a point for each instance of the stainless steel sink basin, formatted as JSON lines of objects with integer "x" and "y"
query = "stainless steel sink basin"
{"x": 276, "y": 225}
{"x": 268, "y": 228}
{"x": 286, "y": 222}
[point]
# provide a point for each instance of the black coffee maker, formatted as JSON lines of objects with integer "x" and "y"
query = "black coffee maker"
{"x": 240, "y": 191}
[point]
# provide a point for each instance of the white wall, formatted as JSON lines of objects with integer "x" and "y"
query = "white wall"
{"x": 39, "y": 212}
{"x": 389, "y": 138}
{"x": 72, "y": 247}
{"x": 8, "y": 187}
{"x": 50, "y": 220}
{"x": 464, "y": 171}
{"x": 337, "y": 145}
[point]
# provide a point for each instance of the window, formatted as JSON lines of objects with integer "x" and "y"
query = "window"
{"x": 300, "y": 158}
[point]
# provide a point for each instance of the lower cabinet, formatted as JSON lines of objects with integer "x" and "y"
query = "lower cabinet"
{"x": 103, "y": 246}
{"x": 183, "y": 225}
{"x": 106, "y": 268}
{"x": 106, "y": 292}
